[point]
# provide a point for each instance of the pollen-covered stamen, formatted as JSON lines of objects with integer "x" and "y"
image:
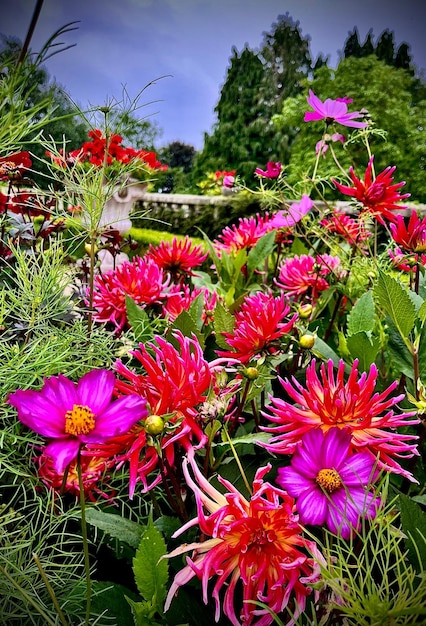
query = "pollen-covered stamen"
{"x": 79, "y": 421}
{"x": 329, "y": 480}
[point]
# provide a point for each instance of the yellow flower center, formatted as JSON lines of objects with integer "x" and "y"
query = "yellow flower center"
{"x": 329, "y": 480}
{"x": 79, "y": 421}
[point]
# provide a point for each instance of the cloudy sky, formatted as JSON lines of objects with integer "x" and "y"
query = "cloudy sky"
{"x": 188, "y": 43}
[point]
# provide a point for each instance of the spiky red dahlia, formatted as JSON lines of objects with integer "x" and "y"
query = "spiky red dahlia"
{"x": 14, "y": 166}
{"x": 410, "y": 236}
{"x": 305, "y": 275}
{"x": 253, "y": 547}
{"x": 242, "y": 236}
{"x": 175, "y": 380}
{"x": 259, "y": 325}
{"x": 352, "y": 404}
{"x": 352, "y": 230}
{"x": 379, "y": 196}
{"x": 177, "y": 257}
{"x": 140, "y": 279}
{"x": 180, "y": 298}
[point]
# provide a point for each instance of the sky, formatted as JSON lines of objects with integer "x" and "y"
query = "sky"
{"x": 178, "y": 51}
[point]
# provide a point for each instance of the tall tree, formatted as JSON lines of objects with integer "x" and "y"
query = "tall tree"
{"x": 403, "y": 58}
{"x": 385, "y": 47}
{"x": 352, "y": 46}
{"x": 367, "y": 47}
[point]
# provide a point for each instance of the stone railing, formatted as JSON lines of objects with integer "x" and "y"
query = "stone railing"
{"x": 180, "y": 212}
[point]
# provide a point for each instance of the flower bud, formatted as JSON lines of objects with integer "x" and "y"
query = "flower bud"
{"x": 88, "y": 248}
{"x": 251, "y": 373}
{"x": 154, "y": 425}
{"x": 305, "y": 310}
{"x": 307, "y": 341}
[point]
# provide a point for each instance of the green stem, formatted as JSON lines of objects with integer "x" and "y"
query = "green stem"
{"x": 85, "y": 541}
{"x": 50, "y": 590}
{"x": 240, "y": 467}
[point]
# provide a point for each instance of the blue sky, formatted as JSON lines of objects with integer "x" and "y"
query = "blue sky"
{"x": 189, "y": 42}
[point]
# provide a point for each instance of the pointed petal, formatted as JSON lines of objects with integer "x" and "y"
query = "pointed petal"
{"x": 312, "y": 506}
{"x": 38, "y": 413}
{"x": 293, "y": 482}
{"x": 118, "y": 418}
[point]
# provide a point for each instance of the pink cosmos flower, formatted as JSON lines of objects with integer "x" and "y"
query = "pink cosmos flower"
{"x": 259, "y": 324}
{"x": 332, "y": 111}
{"x": 143, "y": 280}
{"x": 175, "y": 380}
{"x": 305, "y": 275}
{"x": 252, "y": 546}
{"x": 228, "y": 181}
{"x": 72, "y": 415}
{"x": 379, "y": 196}
{"x": 353, "y": 405}
{"x": 273, "y": 170}
{"x": 331, "y": 484}
{"x": 322, "y": 145}
{"x": 290, "y": 217}
{"x": 177, "y": 257}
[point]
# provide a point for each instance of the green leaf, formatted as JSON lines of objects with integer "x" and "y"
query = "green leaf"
{"x": 399, "y": 355}
{"x": 196, "y": 310}
{"x": 261, "y": 251}
{"x": 323, "y": 351}
{"x": 143, "y": 613}
{"x": 223, "y": 322}
{"x": 363, "y": 348}
{"x": 188, "y": 327}
{"x": 151, "y": 573}
{"x": 115, "y": 526}
{"x": 249, "y": 438}
{"x": 421, "y": 313}
{"x": 397, "y": 303}
{"x": 361, "y": 317}
{"x": 139, "y": 321}
{"x": 413, "y": 521}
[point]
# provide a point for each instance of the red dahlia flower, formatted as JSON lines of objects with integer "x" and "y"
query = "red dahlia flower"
{"x": 140, "y": 279}
{"x": 178, "y": 257}
{"x": 259, "y": 324}
{"x": 379, "y": 195}
{"x": 273, "y": 170}
{"x": 411, "y": 236}
{"x": 14, "y": 165}
{"x": 305, "y": 275}
{"x": 251, "y": 546}
{"x": 242, "y": 236}
{"x": 331, "y": 484}
{"x": 72, "y": 415}
{"x": 353, "y": 230}
{"x": 352, "y": 405}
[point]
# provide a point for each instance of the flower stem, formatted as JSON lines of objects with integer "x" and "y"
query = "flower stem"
{"x": 50, "y": 590}
{"x": 240, "y": 467}
{"x": 85, "y": 540}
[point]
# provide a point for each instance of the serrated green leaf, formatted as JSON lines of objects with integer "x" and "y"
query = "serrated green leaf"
{"x": 397, "y": 303}
{"x": 139, "y": 321}
{"x": 363, "y": 348}
{"x": 421, "y": 313}
{"x": 142, "y": 613}
{"x": 361, "y": 317}
{"x": 260, "y": 252}
{"x": 196, "y": 310}
{"x": 413, "y": 521}
{"x": 399, "y": 355}
{"x": 223, "y": 322}
{"x": 151, "y": 573}
{"x": 188, "y": 327}
{"x": 115, "y": 526}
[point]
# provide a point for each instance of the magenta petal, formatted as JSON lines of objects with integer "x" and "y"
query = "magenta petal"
{"x": 63, "y": 452}
{"x": 95, "y": 390}
{"x": 359, "y": 470}
{"x": 335, "y": 447}
{"x": 313, "y": 116}
{"x": 293, "y": 482}
{"x": 118, "y": 418}
{"x": 38, "y": 413}
{"x": 312, "y": 506}
{"x": 61, "y": 392}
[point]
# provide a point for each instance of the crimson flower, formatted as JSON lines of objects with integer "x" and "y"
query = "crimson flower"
{"x": 180, "y": 298}
{"x": 332, "y": 111}
{"x": 140, "y": 279}
{"x": 379, "y": 195}
{"x": 273, "y": 170}
{"x": 411, "y": 236}
{"x": 177, "y": 257}
{"x": 174, "y": 382}
{"x": 251, "y": 546}
{"x": 259, "y": 324}
{"x": 352, "y": 404}
{"x": 331, "y": 484}
{"x": 242, "y": 236}
{"x": 14, "y": 165}
{"x": 305, "y": 275}
{"x": 352, "y": 230}
{"x": 71, "y": 415}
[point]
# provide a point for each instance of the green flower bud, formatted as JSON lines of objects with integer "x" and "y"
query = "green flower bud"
{"x": 307, "y": 341}
{"x": 154, "y": 425}
{"x": 251, "y": 373}
{"x": 305, "y": 310}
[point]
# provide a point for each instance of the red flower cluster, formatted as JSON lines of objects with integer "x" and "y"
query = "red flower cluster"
{"x": 13, "y": 166}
